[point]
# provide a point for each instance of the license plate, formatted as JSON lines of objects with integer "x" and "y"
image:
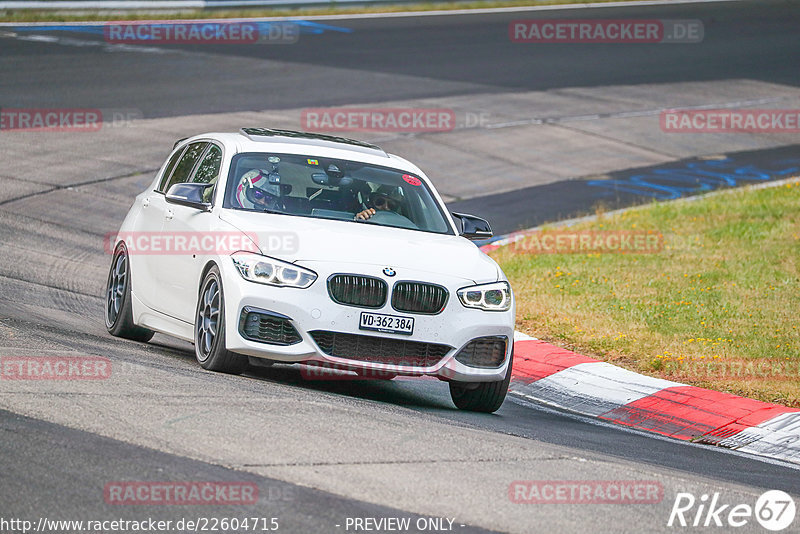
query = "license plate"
{"x": 386, "y": 323}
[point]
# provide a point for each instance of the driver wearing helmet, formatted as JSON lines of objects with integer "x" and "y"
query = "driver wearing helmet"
{"x": 385, "y": 198}
{"x": 254, "y": 191}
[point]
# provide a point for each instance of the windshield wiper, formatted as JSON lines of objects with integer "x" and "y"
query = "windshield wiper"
{"x": 270, "y": 210}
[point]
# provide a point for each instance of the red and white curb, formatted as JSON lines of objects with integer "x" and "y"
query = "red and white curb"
{"x": 551, "y": 375}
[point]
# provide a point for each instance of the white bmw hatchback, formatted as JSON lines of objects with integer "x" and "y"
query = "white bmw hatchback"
{"x": 268, "y": 246}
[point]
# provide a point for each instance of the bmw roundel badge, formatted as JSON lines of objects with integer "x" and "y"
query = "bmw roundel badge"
{"x": 388, "y": 271}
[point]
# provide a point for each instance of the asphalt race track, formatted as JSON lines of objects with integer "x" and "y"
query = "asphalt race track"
{"x": 323, "y": 452}
{"x": 383, "y": 57}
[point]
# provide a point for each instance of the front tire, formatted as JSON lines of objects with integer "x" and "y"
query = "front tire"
{"x": 119, "y": 316}
{"x": 486, "y": 397}
{"x": 209, "y": 329}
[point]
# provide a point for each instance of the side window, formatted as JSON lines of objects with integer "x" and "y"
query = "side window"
{"x": 208, "y": 170}
{"x": 168, "y": 170}
{"x": 185, "y": 166}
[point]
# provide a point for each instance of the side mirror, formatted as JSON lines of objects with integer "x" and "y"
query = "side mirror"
{"x": 189, "y": 195}
{"x": 474, "y": 228}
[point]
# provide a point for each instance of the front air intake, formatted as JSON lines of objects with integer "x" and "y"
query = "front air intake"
{"x": 267, "y": 327}
{"x": 487, "y": 352}
{"x": 375, "y": 349}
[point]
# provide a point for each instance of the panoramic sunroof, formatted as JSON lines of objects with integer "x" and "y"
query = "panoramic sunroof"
{"x": 314, "y": 139}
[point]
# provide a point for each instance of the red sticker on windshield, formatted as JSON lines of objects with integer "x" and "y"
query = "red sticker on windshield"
{"x": 411, "y": 179}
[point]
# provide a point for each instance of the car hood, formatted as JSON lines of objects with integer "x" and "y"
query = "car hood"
{"x": 306, "y": 239}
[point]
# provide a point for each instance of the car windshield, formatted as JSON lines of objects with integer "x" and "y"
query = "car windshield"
{"x": 326, "y": 188}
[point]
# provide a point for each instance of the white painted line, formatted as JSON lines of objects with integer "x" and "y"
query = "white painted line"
{"x": 38, "y": 38}
{"x": 108, "y": 47}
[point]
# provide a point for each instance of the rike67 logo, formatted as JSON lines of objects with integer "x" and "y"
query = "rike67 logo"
{"x": 774, "y": 510}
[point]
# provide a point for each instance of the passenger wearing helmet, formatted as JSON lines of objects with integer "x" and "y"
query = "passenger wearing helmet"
{"x": 385, "y": 198}
{"x": 255, "y": 192}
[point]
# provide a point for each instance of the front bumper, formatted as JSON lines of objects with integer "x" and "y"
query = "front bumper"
{"x": 312, "y": 310}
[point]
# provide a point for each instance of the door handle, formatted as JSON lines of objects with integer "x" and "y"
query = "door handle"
{"x": 169, "y": 215}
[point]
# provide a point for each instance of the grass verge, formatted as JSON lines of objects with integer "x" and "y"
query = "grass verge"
{"x": 717, "y": 307}
{"x": 100, "y": 15}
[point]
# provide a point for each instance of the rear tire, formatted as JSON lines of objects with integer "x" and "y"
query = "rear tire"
{"x": 209, "y": 329}
{"x": 486, "y": 397}
{"x": 119, "y": 317}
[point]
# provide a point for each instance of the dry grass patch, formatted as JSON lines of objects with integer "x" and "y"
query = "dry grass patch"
{"x": 718, "y": 307}
{"x": 43, "y": 15}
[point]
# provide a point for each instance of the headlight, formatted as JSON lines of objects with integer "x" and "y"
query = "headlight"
{"x": 490, "y": 297}
{"x": 265, "y": 270}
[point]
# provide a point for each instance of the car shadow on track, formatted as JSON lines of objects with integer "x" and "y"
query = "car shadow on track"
{"x": 427, "y": 393}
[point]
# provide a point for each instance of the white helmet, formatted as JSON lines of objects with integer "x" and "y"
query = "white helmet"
{"x": 253, "y": 184}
